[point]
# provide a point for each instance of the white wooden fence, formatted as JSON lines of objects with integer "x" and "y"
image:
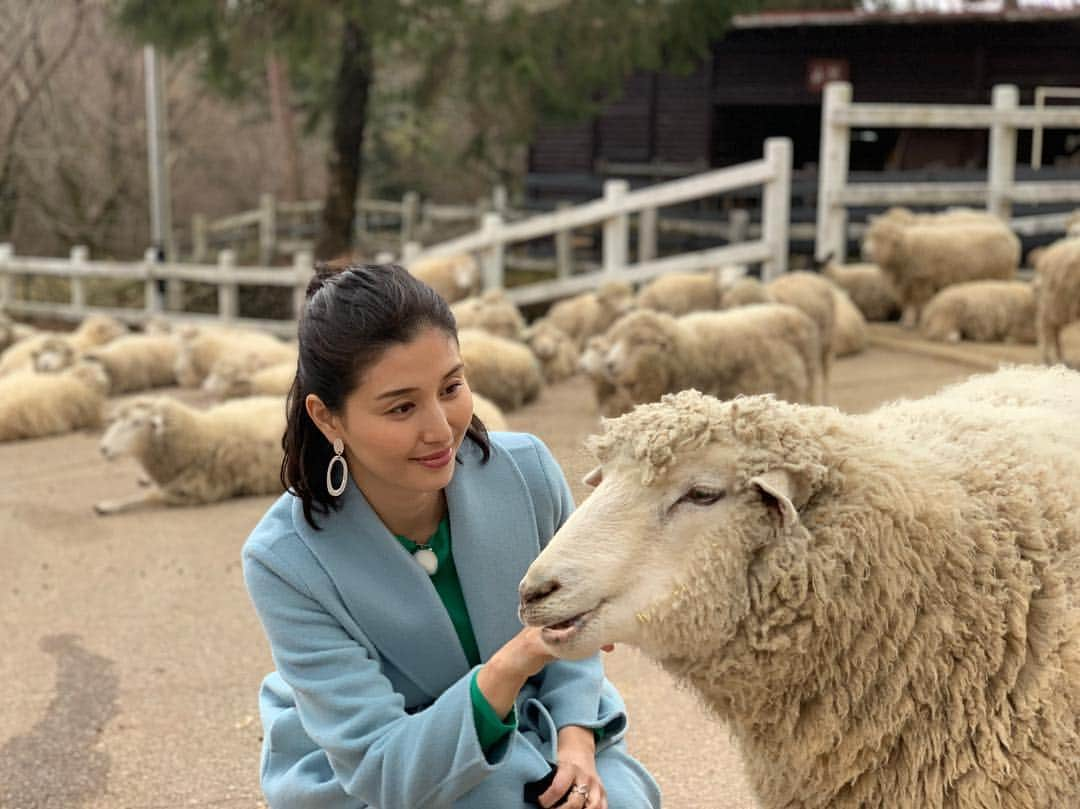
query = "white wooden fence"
{"x": 79, "y": 269}
{"x": 613, "y": 213}
{"x": 1003, "y": 118}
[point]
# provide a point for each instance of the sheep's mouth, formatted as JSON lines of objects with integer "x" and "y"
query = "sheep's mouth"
{"x": 563, "y": 631}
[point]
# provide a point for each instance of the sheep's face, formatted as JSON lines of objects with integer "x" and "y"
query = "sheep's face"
{"x": 54, "y": 355}
{"x": 638, "y": 356}
{"x": 227, "y": 380}
{"x": 98, "y": 330}
{"x": 633, "y": 555}
{"x": 131, "y": 429}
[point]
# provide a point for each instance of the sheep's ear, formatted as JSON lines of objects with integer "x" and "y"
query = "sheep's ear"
{"x": 778, "y": 487}
{"x": 594, "y": 477}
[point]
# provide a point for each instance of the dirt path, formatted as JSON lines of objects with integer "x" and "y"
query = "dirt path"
{"x": 131, "y": 655}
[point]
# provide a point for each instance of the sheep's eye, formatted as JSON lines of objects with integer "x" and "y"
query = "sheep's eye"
{"x": 702, "y": 496}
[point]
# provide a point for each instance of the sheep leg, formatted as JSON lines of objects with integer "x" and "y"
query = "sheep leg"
{"x": 910, "y": 318}
{"x": 1049, "y": 347}
{"x": 151, "y": 497}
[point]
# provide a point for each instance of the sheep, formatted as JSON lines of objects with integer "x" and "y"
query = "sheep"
{"x": 813, "y": 295}
{"x": 869, "y": 288}
{"x": 95, "y": 330}
{"x": 200, "y": 349}
{"x": 502, "y": 370}
{"x": 132, "y": 363}
{"x": 680, "y": 293}
{"x": 1058, "y": 295}
{"x": 592, "y": 313}
{"x": 244, "y": 375}
{"x": 610, "y": 400}
{"x": 984, "y": 311}
{"x": 924, "y": 259}
{"x": 12, "y": 332}
{"x": 1069, "y": 337}
{"x": 34, "y": 405}
{"x": 753, "y": 349}
{"x": 905, "y": 217}
{"x": 882, "y": 608}
{"x": 194, "y": 457}
{"x": 744, "y": 292}
{"x": 849, "y": 332}
{"x": 556, "y": 352}
{"x": 492, "y": 312}
{"x": 453, "y": 277}
{"x": 489, "y": 413}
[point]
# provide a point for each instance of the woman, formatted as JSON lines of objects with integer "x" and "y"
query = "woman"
{"x": 386, "y": 580}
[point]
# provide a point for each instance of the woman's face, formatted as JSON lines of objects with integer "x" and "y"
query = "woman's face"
{"x": 404, "y": 422}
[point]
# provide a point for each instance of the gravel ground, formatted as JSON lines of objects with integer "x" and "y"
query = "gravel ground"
{"x": 132, "y": 657}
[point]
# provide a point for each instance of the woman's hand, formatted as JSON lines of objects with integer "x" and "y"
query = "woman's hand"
{"x": 577, "y": 771}
{"x": 503, "y": 675}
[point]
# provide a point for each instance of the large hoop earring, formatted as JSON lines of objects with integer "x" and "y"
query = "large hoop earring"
{"x": 335, "y": 491}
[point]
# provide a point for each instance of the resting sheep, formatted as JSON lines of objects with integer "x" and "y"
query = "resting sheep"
{"x": 984, "y": 311}
{"x": 201, "y": 349}
{"x": 766, "y": 348}
{"x": 94, "y": 331}
{"x": 554, "y": 349}
{"x": 34, "y": 405}
{"x": 504, "y": 371}
{"x": 680, "y": 293}
{"x": 453, "y": 277}
{"x": 1058, "y": 296}
{"x": 883, "y": 608}
{"x": 869, "y": 288}
{"x": 592, "y": 313}
{"x": 489, "y": 413}
{"x": 849, "y": 331}
{"x": 813, "y": 295}
{"x": 132, "y": 363}
{"x": 921, "y": 260}
{"x": 194, "y": 457}
{"x": 493, "y": 312}
{"x": 744, "y": 292}
{"x": 235, "y": 377}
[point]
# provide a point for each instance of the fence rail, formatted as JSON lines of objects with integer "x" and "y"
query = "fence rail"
{"x": 1003, "y": 118}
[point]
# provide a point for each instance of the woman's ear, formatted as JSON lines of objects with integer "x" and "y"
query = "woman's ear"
{"x": 323, "y": 417}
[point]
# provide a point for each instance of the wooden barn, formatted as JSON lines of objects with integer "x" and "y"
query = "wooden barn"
{"x": 764, "y": 78}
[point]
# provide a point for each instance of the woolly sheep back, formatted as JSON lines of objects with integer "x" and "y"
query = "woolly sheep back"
{"x": 985, "y": 311}
{"x": 502, "y": 370}
{"x": 1058, "y": 295}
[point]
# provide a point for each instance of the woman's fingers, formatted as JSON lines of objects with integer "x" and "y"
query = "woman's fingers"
{"x": 560, "y": 785}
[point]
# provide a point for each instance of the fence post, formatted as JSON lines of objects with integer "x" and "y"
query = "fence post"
{"x": 491, "y": 260}
{"x": 227, "y": 291}
{"x": 198, "y": 238}
{"x": 738, "y": 225}
{"x": 151, "y": 291}
{"x": 267, "y": 229}
{"x": 409, "y": 251}
{"x": 410, "y": 213}
{"x": 7, "y": 288}
{"x": 776, "y": 207}
{"x": 616, "y": 229}
{"x": 564, "y": 246}
{"x": 302, "y": 269}
{"x": 832, "y": 174}
{"x": 78, "y": 257}
{"x": 1006, "y": 97}
{"x": 499, "y": 200}
{"x": 647, "y": 224}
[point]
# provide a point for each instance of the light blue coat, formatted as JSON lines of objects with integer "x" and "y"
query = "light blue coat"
{"x": 370, "y": 703}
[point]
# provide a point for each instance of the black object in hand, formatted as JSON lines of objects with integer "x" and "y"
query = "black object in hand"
{"x": 534, "y": 789}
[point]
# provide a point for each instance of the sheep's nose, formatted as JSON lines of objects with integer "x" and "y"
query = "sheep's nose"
{"x": 532, "y": 594}
{"x": 611, "y": 366}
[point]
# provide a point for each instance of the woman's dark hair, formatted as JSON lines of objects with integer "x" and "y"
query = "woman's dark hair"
{"x": 352, "y": 315}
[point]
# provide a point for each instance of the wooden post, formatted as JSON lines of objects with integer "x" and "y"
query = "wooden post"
{"x": 647, "y": 226}
{"x": 1006, "y": 97}
{"x": 227, "y": 290}
{"x": 78, "y": 257}
{"x": 303, "y": 266}
{"x": 491, "y": 260}
{"x": 564, "y": 246}
{"x": 7, "y": 288}
{"x": 832, "y": 174}
{"x": 409, "y": 251}
{"x": 499, "y": 200}
{"x": 410, "y": 213}
{"x": 738, "y": 225}
{"x": 151, "y": 292}
{"x": 776, "y": 207}
{"x": 616, "y": 229}
{"x": 198, "y": 238}
{"x": 267, "y": 229}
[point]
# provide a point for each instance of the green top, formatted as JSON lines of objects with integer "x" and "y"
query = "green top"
{"x": 490, "y": 727}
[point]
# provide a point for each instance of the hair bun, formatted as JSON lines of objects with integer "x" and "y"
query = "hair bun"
{"x": 324, "y": 271}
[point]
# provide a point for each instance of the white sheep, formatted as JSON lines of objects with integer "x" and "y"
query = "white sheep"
{"x": 502, "y": 370}
{"x": 493, "y": 312}
{"x": 194, "y": 457}
{"x": 753, "y": 349}
{"x": 132, "y": 363}
{"x": 883, "y": 608}
{"x": 557, "y": 353}
{"x": 591, "y": 313}
{"x": 921, "y": 260}
{"x": 1057, "y": 295}
{"x": 869, "y": 288}
{"x": 200, "y": 349}
{"x": 680, "y": 293}
{"x": 985, "y": 311}
{"x": 95, "y": 330}
{"x": 12, "y": 332}
{"x": 489, "y": 413}
{"x": 744, "y": 292}
{"x": 244, "y": 375}
{"x": 849, "y": 332}
{"x": 1069, "y": 338}
{"x": 34, "y": 405}
{"x": 813, "y": 295}
{"x": 453, "y": 277}
{"x": 905, "y": 217}
{"x": 610, "y": 399}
